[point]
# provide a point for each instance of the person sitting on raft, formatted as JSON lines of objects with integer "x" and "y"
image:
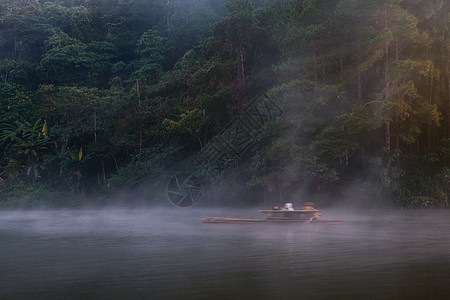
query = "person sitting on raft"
{"x": 288, "y": 206}
{"x": 308, "y": 206}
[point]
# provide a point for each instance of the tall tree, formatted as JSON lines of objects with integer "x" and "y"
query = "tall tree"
{"x": 238, "y": 31}
{"x": 151, "y": 48}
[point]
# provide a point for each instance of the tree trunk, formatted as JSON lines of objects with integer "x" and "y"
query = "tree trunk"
{"x": 448, "y": 108}
{"x": 103, "y": 172}
{"x": 397, "y": 147}
{"x": 241, "y": 76}
{"x": 241, "y": 60}
{"x": 359, "y": 88}
{"x": 397, "y": 135}
{"x": 98, "y": 177}
{"x": 115, "y": 162}
{"x": 279, "y": 190}
{"x": 429, "y": 129}
{"x": 140, "y": 116}
{"x": 397, "y": 51}
{"x": 316, "y": 76}
{"x": 448, "y": 81}
{"x": 387, "y": 133}
{"x": 95, "y": 125}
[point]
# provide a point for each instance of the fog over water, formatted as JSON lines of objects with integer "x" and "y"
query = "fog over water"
{"x": 155, "y": 253}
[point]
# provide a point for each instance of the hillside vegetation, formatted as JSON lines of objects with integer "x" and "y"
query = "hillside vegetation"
{"x": 102, "y": 97}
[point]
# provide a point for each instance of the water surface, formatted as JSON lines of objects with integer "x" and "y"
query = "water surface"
{"x": 170, "y": 254}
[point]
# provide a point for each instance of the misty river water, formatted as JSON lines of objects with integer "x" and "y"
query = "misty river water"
{"x": 170, "y": 254}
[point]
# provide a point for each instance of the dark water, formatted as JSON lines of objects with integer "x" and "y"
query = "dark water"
{"x": 170, "y": 254}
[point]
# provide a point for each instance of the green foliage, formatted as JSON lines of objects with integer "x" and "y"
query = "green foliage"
{"x": 151, "y": 48}
{"x": 341, "y": 139}
{"x": 426, "y": 182}
{"x": 147, "y": 164}
{"x": 187, "y": 22}
{"x": 28, "y": 143}
{"x": 70, "y": 60}
{"x": 190, "y": 122}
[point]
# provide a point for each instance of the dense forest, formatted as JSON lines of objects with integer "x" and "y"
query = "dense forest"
{"x": 100, "y": 98}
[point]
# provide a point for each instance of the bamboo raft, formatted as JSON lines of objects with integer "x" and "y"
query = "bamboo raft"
{"x": 278, "y": 216}
{"x": 250, "y": 221}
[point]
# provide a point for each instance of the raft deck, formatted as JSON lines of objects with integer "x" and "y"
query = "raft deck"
{"x": 249, "y": 221}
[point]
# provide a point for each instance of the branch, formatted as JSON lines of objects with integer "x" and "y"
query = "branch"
{"x": 371, "y": 102}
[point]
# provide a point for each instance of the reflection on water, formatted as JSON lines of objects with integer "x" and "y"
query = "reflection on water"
{"x": 170, "y": 254}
